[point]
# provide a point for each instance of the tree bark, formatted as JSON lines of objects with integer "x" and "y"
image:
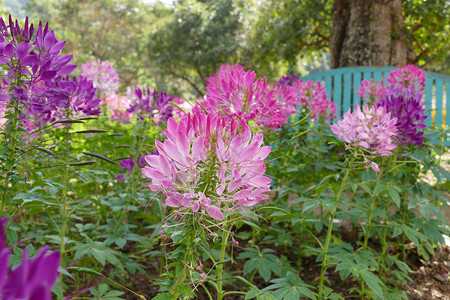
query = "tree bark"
{"x": 368, "y": 33}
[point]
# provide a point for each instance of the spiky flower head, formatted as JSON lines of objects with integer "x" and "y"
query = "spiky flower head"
{"x": 151, "y": 103}
{"x": 369, "y": 132}
{"x": 103, "y": 76}
{"x": 242, "y": 95}
{"x": 407, "y": 106}
{"x": 372, "y": 91}
{"x": 407, "y": 77}
{"x": 205, "y": 164}
{"x": 311, "y": 95}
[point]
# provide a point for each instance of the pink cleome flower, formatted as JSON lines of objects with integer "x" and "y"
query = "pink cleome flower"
{"x": 206, "y": 164}
{"x": 407, "y": 76}
{"x": 371, "y": 129}
{"x": 103, "y": 75}
{"x": 312, "y": 96}
{"x": 372, "y": 91}
{"x": 240, "y": 94}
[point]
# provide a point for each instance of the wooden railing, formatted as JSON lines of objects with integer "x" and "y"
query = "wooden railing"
{"x": 342, "y": 84}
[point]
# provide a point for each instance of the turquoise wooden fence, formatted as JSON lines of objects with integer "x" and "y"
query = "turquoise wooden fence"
{"x": 342, "y": 84}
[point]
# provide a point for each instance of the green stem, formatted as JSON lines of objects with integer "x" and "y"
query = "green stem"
{"x": 64, "y": 198}
{"x": 207, "y": 292}
{"x": 220, "y": 267}
{"x": 11, "y": 154}
{"x": 330, "y": 229}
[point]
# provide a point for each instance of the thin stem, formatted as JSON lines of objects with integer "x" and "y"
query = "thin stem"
{"x": 330, "y": 229}
{"x": 64, "y": 199}
{"x": 207, "y": 292}
{"x": 225, "y": 234}
{"x": 11, "y": 154}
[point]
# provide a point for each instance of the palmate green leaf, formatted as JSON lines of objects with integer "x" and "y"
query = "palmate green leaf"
{"x": 394, "y": 196}
{"x": 163, "y": 296}
{"x": 291, "y": 287}
{"x": 374, "y": 283}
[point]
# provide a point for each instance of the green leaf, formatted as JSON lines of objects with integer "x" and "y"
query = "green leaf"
{"x": 394, "y": 196}
{"x": 163, "y": 296}
{"x": 373, "y": 282}
{"x": 250, "y": 265}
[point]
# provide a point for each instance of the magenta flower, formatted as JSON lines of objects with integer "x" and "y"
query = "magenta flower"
{"x": 205, "y": 164}
{"x": 239, "y": 94}
{"x": 33, "y": 279}
{"x": 372, "y": 129}
{"x": 407, "y": 77}
{"x": 34, "y": 68}
{"x": 103, "y": 76}
{"x": 312, "y": 97}
{"x": 371, "y": 91}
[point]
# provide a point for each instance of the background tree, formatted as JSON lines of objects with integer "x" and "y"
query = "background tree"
{"x": 355, "y": 32}
{"x": 197, "y": 37}
{"x": 112, "y": 30}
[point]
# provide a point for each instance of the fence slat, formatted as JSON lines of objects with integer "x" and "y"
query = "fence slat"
{"x": 347, "y": 85}
{"x": 337, "y": 93}
{"x": 428, "y": 98}
{"x": 439, "y": 98}
{"x": 356, "y": 85}
{"x": 447, "y": 106}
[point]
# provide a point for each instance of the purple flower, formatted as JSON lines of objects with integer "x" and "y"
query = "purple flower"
{"x": 288, "y": 80}
{"x": 128, "y": 164}
{"x": 34, "y": 68}
{"x": 141, "y": 161}
{"x": 147, "y": 102}
{"x": 406, "y": 105}
{"x": 120, "y": 177}
{"x": 33, "y": 279}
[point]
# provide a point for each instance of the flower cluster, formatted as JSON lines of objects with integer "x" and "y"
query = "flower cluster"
{"x": 288, "y": 80}
{"x": 372, "y": 91}
{"x": 407, "y": 106}
{"x": 241, "y": 95}
{"x": 103, "y": 76}
{"x": 371, "y": 129}
{"x": 313, "y": 97}
{"x": 147, "y": 102}
{"x": 31, "y": 57}
{"x": 33, "y": 278}
{"x": 206, "y": 164}
{"x": 408, "y": 76}
{"x": 49, "y": 101}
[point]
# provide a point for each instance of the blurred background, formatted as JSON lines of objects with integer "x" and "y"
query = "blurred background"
{"x": 176, "y": 45}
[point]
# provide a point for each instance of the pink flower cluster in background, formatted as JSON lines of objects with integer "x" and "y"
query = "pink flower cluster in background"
{"x": 103, "y": 76}
{"x": 372, "y": 129}
{"x": 313, "y": 97}
{"x": 372, "y": 91}
{"x": 242, "y": 95}
{"x": 406, "y": 77}
{"x": 211, "y": 163}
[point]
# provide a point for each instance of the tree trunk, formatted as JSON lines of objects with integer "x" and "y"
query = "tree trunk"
{"x": 368, "y": 33}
